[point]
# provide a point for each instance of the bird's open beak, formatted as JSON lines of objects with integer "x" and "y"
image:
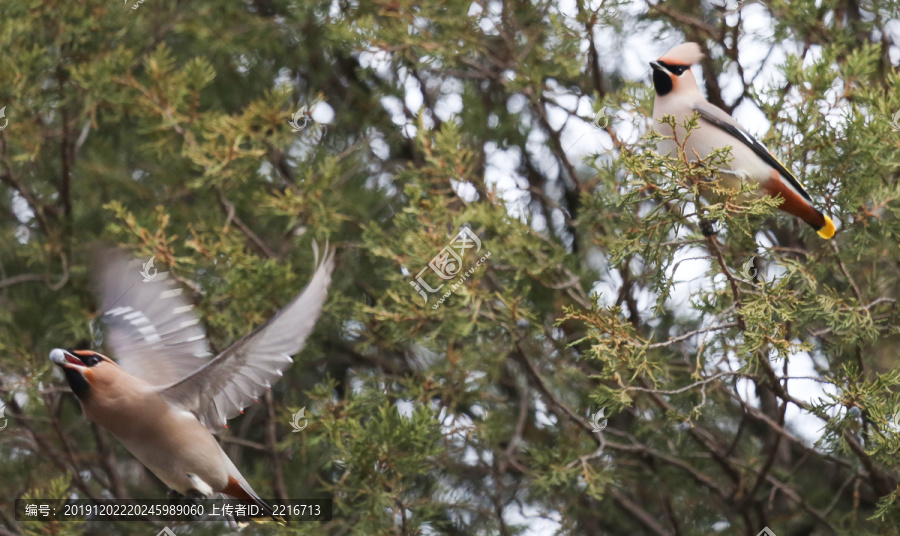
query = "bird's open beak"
{"x": 656, "y": 66}
{"x": 66, "y": 360}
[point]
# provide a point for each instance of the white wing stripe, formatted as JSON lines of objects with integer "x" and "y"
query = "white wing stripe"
{"x": 146, "y": 321}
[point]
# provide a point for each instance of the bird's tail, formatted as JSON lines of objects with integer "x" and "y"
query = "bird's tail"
{"x": 827, "y": 230}
{"x": 799, "y": 204}
{"x": 240, "y": 489}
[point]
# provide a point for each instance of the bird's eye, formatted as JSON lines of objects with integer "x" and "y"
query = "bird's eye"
{"x": 91, "y": 360}
{"x": 677, "y": 70}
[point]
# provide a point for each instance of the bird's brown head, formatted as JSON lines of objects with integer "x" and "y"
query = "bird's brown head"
{"x": 84, "y": 369}
{"x": 674, "y": 68}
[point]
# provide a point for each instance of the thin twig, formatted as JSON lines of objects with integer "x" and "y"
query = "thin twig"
{"x": 690, "y": 334}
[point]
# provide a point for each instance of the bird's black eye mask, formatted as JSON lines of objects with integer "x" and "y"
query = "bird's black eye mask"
{"x": 77, "y": 381}
{"x": 89, "y": 359}
{"x": 677, "y": 70}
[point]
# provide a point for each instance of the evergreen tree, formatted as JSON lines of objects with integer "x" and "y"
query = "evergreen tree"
{"x": 746, "y": 378}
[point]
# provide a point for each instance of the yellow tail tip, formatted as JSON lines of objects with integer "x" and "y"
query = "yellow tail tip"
{"x": 827, "y": 230}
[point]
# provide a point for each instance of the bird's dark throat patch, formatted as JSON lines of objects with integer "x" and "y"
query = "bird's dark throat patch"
{"x": 662, "y": 82}
{"x": 78, "y": 383}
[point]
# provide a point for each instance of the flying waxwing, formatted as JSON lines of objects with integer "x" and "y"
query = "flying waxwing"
{"x": 166, "y": 398}
{"x": 677, "y": 95}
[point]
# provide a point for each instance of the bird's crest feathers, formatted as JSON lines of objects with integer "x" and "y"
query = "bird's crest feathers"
{"x": 684, "y": 54}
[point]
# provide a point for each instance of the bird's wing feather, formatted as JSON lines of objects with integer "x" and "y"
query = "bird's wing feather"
{"x": 238, "y": 376}
{"x": 720, "y": 119}
{"x": 153, "y": 332}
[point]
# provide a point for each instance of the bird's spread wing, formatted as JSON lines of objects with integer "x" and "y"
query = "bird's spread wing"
{"x": 720, "y": 119}
{"x": 154, "y": 334}
{"x": 238, "y": 376}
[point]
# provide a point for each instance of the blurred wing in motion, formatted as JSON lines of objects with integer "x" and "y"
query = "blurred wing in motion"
{"x": 238, "y": 376}
{"x": 152, "y": 332}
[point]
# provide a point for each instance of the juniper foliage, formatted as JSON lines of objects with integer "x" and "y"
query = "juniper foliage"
{"x": 747, "y": 377}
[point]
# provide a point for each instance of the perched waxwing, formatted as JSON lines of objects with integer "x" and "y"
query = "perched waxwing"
{"x": 677, "y": 95}
{"x": 167, "y": 396}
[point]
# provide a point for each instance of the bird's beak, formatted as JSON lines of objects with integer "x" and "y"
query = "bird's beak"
{"x": 66, "y": 359}
{"x": 656, "y": 66}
